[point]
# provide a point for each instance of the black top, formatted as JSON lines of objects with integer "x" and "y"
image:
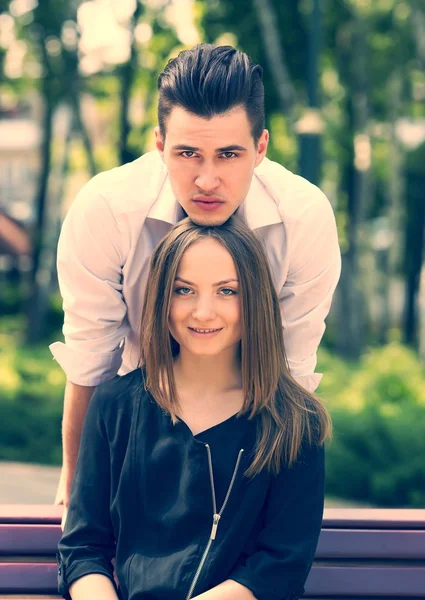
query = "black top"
{"x": 147, "y": 491}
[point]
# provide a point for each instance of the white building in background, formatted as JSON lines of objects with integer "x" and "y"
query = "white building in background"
{"x": 20, "y": 141}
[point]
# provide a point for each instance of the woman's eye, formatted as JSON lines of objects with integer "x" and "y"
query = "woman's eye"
{"x": 182, "y": 291}
{"x": 228, "y": 292}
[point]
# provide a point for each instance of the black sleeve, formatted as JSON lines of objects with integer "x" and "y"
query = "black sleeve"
{"x": 87, "y": 544}
{"x": 285, "y": 547}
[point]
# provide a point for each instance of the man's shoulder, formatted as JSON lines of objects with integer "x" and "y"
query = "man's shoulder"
{"x": 131, "y": 187}
{"x": 293, "y": 194}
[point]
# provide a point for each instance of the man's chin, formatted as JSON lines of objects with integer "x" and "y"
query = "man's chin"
{"x": 208, "y": 221}
{"x": 205, "y": 219}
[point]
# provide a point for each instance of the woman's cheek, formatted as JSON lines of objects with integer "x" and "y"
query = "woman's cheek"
{"x": 177, "y": 313}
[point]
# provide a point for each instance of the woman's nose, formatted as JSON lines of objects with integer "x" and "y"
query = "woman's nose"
{"x": 204, "y": 310}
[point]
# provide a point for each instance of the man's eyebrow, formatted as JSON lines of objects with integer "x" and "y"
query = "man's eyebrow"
{"x": 230, "y": 148}
{"x": 185, "y": 147}
{"x": 215, "y": 284}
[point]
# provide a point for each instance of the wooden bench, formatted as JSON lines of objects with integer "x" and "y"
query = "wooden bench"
{"x": 362, "y": 554}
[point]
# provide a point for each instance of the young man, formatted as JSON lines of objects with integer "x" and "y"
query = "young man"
{"x": 210, "y": 163}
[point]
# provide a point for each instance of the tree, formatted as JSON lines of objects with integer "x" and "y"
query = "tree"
{"x": 59, "y": 84}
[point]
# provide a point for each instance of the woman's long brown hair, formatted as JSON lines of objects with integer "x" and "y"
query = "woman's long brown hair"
{"x": 288, "y": 414}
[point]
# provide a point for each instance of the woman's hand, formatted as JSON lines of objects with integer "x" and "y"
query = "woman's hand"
{"x": 228, "y": 590}
{"x": 62, "y": 494}
{"x": 93, "y": 586}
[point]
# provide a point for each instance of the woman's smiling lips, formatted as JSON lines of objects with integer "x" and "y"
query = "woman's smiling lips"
{"x": 205, "y": 333}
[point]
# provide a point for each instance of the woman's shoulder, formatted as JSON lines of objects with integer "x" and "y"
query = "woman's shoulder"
{"x": 118, "y": 395}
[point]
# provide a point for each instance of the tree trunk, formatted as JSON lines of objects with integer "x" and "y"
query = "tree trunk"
{"x": 80, "y": 125}
{"x": 40, "y": 202}
{"x": 310, "y": 126}
{"x": 267, "y": 21}
{"x": 355, "y": 184}
{"x": 414, "y": 245}
{"x": 391, "y": 252}
{"x": 128, "y": 72}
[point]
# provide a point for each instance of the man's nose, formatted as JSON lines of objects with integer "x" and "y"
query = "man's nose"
{"x": 207, "y": 179}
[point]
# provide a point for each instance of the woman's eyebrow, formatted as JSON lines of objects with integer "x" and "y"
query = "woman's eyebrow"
{"x": 215, "y": 284}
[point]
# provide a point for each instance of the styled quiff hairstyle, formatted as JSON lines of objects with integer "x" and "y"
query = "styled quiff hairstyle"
{"x": 288, "y": 414}
{"x": 209, "y": 80}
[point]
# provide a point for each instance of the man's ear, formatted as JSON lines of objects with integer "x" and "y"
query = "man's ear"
{"x": 159, "y": 142}
{"x": 263, "y": 142}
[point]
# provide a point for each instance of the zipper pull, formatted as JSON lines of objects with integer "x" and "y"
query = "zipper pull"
{"x": 216, "y": 519}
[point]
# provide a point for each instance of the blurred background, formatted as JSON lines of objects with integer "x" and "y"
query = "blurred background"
{"x": 345, "y": 102}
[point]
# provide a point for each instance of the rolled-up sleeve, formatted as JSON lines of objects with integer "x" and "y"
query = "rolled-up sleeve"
{"x": 285, "y": 548}
{"x": 89, "y": 263}
{"x": 306, "y": 297}
{"x": 88, "y": 544}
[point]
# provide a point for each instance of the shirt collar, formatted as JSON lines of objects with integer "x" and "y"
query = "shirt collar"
{"x": 259, "y": 209}
{"x": 166, "y": 208}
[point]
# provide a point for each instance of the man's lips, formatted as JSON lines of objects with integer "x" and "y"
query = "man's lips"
{"x": 208, "y": 199}
{"x": 208, "y": 203}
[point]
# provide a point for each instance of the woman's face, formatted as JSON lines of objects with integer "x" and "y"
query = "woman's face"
{"x": 205, "y": 312}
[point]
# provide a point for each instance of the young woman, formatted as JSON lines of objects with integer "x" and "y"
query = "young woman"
{"x": 202, "y": 472}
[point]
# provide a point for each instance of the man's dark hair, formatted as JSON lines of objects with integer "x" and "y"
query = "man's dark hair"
{"x": 209, "y": 80}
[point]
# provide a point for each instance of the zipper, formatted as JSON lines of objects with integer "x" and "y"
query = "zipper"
{"x": 216, "y": 516}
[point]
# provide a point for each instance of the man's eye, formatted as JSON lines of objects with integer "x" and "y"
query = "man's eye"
{"x": 185, "y": 154}
{"x": 182, "y": 291}
{"x": 229, "y": 155}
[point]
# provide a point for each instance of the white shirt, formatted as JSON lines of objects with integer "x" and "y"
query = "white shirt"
{"x": 113, "y": 227}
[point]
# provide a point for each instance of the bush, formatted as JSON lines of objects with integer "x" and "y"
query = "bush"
{"x": 377, "y": 405}
{"x": 378, "y": 450}
{"x": 31, "y": 401}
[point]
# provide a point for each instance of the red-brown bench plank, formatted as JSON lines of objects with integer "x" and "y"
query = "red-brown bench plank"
{"x": 366, "y": 581}
{"x": 346, "y": 518}
{"x": 31, "y": 513}
{"x": 371, "y": 543}
{"x": 29, "y": 539}
{"x": 374, "y": 518}
{"x": 27, "y": 577}
{"x": 39, "y": 539}
{"x": 324, "y": 580}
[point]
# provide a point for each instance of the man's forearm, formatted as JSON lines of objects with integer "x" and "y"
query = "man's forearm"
{"x": 228, "y": 590}
{"x": 77, "y": 399}
{"x": 93, "y": 586}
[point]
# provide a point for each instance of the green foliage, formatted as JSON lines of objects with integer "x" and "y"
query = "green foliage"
{"x": 377, "y": 406}
{"x": 31, "y": 397}
{"x": 378, "y": 411}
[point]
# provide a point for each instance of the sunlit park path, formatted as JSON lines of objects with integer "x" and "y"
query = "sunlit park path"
{"x": 36, "y": 484}
{"x": 27, "y": 484}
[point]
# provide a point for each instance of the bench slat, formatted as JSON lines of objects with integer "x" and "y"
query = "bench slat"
{"x": 26, "y": 597}
{"x": 374, "y": 518}
{"x": 366, "y": 581}
{"x": 29, "y": 539}
{"x": 375, "y": 544}
{"x": 31, "y": 513}
{"x": 40, "y": 578}
{"x": 324, "y": 580}
{"x": 347, "y": 518}
{"x": 33, "y": 540}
